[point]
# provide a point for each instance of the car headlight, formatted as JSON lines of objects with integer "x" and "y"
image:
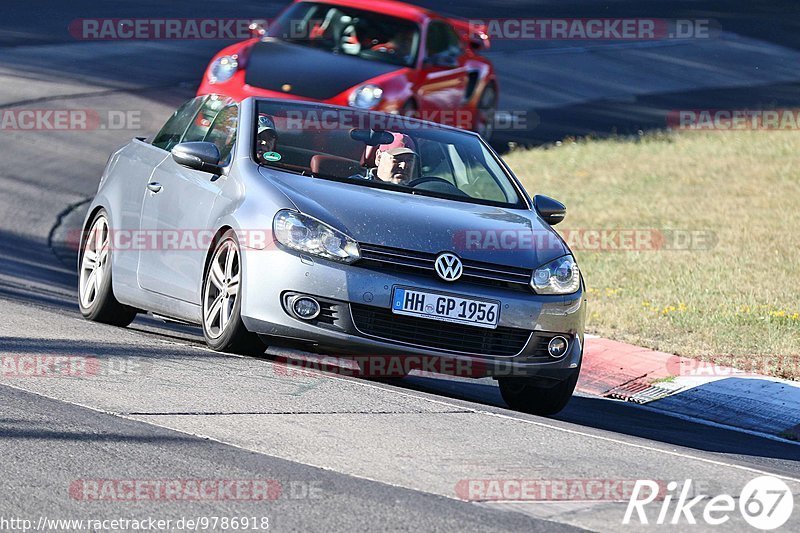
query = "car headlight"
{"x": 305, "y": 234}
{"x": 366, "y": 96}
{"x": 223, "y": 68}
{"x": 557, "y": 277}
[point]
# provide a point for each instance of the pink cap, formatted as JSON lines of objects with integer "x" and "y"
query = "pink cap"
{"x": 400, "y": 141}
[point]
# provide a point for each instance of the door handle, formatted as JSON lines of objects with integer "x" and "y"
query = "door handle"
{"x": 154, "y": 186}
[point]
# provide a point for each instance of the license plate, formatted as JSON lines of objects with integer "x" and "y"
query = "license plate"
{"x": 446, "y": 307}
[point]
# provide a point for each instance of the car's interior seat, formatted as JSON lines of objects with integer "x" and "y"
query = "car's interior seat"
{"x": 331, "y": 165}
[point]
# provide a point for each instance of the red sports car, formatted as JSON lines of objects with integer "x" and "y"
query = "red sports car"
{"x": 379, "y": 54}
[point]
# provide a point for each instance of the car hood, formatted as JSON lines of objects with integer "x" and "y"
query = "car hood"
{"x": 513, "y": 237}
{"x": 307, "y": 72}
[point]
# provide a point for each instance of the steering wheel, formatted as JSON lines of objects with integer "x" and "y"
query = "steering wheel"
{"x": 436, "y": 184}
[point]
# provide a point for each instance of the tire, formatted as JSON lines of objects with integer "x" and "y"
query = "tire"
{"x": 223, "y": 328}
{"x": 487, "y": 107}
{"x": 95, "y": 294}
{"x": 528, "y": 396}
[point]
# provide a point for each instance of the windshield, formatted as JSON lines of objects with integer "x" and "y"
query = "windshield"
{"x": 344, "y": 30}
{"x": 380, "y": 150}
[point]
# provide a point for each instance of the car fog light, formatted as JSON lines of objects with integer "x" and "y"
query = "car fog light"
{"x": 557, "y": 347}
{"x": 305, "y": 307}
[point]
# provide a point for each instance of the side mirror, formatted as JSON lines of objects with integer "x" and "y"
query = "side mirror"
{"x": 479, "y": 41}
{"x": 552, "y": 211}
{"x": 203, "y": 156}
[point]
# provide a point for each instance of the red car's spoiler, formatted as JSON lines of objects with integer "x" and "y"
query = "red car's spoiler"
{"x": 472, "y": 32}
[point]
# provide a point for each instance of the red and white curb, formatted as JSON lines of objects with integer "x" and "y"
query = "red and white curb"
{"x": 691, "y": 388}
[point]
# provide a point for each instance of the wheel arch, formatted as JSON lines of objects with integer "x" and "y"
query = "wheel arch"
{"x": 87, "y": 225}
{"x": 210, "y": 252}
{"x": 491, "y": 83}
{"x": 89, "y": 219}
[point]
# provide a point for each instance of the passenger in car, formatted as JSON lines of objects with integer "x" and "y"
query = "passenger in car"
{"x": 266, "y": 137}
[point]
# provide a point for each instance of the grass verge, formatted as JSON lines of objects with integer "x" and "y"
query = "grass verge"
{"x": 721, "y": 280}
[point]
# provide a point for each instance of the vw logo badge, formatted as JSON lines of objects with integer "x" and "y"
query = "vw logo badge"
{"x": 448, "y": 266}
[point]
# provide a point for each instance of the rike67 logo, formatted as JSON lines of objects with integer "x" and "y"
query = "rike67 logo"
{"x": 765, "y": 503}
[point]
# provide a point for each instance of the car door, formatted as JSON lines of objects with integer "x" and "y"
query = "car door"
{"x": 176, "y": 217}
{"x": 443, "y": 73}
{"x": 136, "y": 165}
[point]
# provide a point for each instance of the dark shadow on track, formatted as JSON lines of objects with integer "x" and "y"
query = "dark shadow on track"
{"x": 22, "y": 430}
{"x": 100, "y": 351}
{"x": 30, "y": 260}
{"x": 621, "y": 417}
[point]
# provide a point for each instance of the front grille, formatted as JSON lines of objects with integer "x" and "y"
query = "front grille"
{"x": 399, "y": 260}
{"x": 328, "y": 312}
{"x": 379, "y": 322}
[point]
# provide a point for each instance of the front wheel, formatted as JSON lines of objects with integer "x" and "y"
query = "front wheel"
{"x": 223, "y": 328}
{"x": 529, "y": 396}
{"x": 95, "y": 294}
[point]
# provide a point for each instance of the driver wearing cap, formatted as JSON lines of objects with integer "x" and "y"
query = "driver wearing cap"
{"x": 395, "y": 162}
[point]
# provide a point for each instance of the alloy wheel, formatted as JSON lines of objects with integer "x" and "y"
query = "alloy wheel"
{"x": 94, "y": 263}
{"x": 222, "y": 289}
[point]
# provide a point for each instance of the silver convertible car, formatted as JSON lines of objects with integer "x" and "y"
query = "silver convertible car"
{"x": 274, "y": 222}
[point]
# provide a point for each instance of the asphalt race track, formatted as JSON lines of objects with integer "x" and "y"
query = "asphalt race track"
{"x": 349, "y": 454}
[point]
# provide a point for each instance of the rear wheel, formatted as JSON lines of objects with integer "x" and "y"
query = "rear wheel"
{"x": 529, "y": 396}
{"x": 95, "y": 295}
{"x": 223, "y": 328}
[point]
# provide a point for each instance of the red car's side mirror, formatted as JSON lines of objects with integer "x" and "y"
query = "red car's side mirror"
{"x": 479, "y": 41}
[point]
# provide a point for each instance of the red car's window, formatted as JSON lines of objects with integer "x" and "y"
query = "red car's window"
{"x": 349, "y": 31}
{"x": 442, "y": 40}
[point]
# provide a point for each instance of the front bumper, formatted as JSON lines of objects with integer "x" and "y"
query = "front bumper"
{"x": 269, "y": 275}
